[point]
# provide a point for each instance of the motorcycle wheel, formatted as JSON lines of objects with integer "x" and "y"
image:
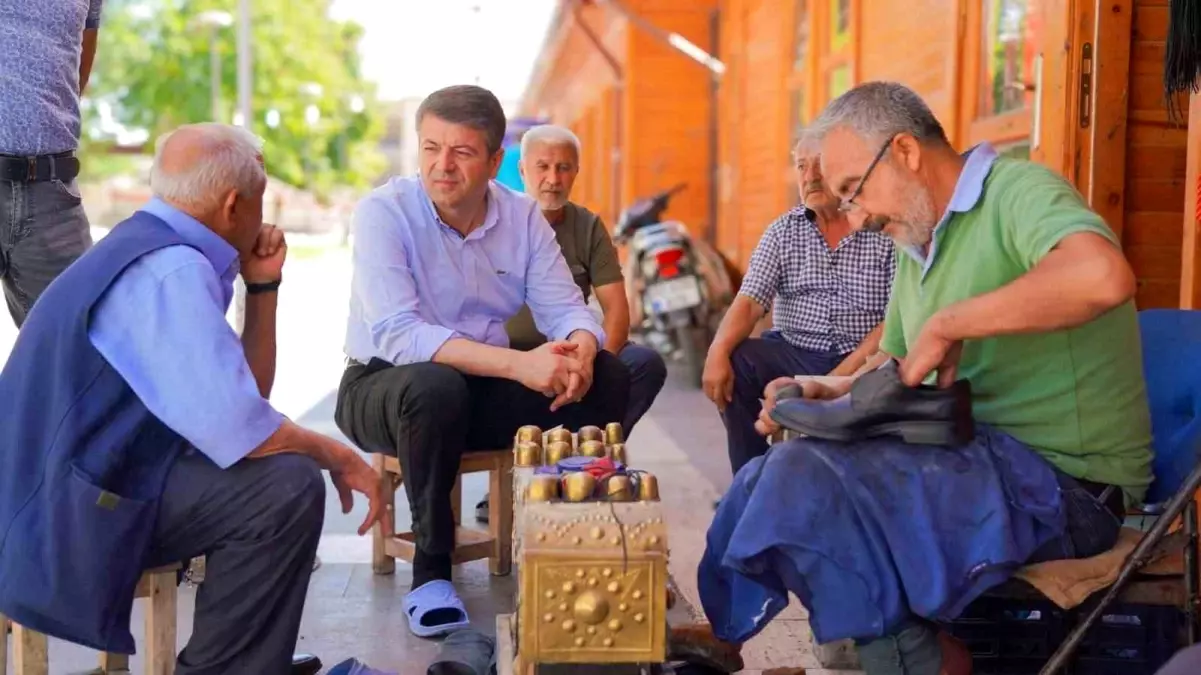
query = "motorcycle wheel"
{"x": 693, "y": 342}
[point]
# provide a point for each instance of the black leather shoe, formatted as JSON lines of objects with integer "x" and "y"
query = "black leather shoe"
{"x": 879, "y": 404}
{"x": 305, "y": 664}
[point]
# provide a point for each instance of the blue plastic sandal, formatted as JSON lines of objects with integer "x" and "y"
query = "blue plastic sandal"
{"x": 355, "y": 667}
{"x": 432, "y": 596}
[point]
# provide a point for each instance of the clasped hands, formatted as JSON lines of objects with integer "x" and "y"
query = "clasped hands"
{"x": 560, "y": 369}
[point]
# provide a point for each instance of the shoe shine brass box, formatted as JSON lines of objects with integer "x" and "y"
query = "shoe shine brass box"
{"x": 592, "y": 563}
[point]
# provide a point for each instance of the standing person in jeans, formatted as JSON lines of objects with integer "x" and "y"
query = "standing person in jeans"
{"x": 46, "y": 48}
{"x": 829, "y": 284}
{"x": 441, "y": 261}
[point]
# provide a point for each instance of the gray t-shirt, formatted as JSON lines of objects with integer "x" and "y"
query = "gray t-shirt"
{"x": 41, "y": 43}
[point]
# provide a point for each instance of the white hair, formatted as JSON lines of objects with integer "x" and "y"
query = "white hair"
{"x": 230, "y": 159}
{"x": 550, "y": 134}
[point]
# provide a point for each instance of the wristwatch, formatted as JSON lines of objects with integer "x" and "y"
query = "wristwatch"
{"x": 266, "y": 287}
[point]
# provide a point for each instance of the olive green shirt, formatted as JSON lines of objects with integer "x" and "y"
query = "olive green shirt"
{"x": 591, "y": 257}
{"x": 1076, "y": 396}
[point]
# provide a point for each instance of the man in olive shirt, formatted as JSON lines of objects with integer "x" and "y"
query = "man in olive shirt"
{"x": 550, "y": 162}
{"x": 549, "y": 165}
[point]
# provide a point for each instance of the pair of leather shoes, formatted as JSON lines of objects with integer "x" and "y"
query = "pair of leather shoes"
{"x": 880, "y": 404}
{"x": 305, "y": 664}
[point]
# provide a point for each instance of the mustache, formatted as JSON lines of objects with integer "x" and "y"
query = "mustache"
{"x": 814, "y": 185}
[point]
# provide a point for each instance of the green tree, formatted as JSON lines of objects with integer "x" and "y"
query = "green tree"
{"x": 153, "y": 71}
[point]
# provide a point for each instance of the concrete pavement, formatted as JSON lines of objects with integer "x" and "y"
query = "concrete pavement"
{"x": 352, "y": 612}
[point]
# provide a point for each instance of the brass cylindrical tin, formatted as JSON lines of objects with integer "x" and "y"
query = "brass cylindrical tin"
{"x": 542, "y": 489}
{"x": 559, "y": 435}
{"x": 557, "y": 452}
{"x": 648, "y": 488}
{"x": 527, "y": 453}
{"x": 590, "y": 433}
{"x": 614, "y": 434}
{"x": 617, "y": 452}
{"x": 619, "y": 488}
{"x": 578, "y": 486}
{"x": 529, "y": 433}
{"x": 592, "y": 449}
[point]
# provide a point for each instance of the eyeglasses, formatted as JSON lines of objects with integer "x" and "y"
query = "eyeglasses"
{"x": 849, "y": 204}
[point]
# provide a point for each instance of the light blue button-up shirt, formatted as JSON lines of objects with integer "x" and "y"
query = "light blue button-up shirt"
{"x": 417, "y": 283}
{"x": 162, "y": 327}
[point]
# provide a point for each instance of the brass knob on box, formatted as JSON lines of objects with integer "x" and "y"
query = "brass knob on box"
{"x": 648, "y": 487}
{"x": 614, "y": 433}
{"x": 527, "y": 453}
{"x": 559, "y": 435}
{"x": 592, "y": 449}
{"x": 557, "y": 452}
{"x": 619, "y": 488}
{"x": 578, "y": 486}
{"x": 542, "y": 489}
{"x": 529, "y": 433}
{"x": 590, "y": 433}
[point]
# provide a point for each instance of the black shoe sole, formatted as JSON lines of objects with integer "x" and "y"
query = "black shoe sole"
{"x": 913, "y": 433}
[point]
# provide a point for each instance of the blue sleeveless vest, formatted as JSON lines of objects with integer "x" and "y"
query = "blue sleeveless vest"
{"x": 82, "y": 462}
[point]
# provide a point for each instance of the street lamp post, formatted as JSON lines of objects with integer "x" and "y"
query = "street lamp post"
{"x": 213, "y": 21}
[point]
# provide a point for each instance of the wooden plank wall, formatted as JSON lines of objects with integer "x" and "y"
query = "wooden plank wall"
{"x": 668, "y": 104}
{"x": 1156, "y": 153}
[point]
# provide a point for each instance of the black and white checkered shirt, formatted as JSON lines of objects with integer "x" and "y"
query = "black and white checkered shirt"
{"x": 824, "y": 300}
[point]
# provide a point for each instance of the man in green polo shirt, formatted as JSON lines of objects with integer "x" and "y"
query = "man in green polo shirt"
{"x": 1007, "y": 279}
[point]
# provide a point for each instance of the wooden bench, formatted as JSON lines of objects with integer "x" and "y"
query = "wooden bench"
{"x": 495, "y": 544}
{"x": 159, "y": 586}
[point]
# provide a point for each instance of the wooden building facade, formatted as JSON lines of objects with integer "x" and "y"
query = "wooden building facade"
{"x": 1074, "y": 84}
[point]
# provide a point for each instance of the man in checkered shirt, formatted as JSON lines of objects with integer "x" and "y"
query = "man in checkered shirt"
{"x": 830, "y": 286}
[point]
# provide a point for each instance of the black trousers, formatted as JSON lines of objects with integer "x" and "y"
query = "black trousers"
{"x": 429, "y": 414}
{"x": 258, "y": 522}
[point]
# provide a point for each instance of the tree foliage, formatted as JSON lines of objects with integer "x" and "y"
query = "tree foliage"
{"x": 153, "y": 71}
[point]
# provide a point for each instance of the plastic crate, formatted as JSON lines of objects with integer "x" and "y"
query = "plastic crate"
{"x": 1130, "y": 640}
{"x": 1016, "y": 637}
{"x": 1009, "y": 637}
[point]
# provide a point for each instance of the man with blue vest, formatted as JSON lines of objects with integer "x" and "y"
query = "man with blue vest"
{"x": 137, "y": 431}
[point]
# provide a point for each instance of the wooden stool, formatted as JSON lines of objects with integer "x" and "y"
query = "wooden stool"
{"x": 31, "y": 654}
{"x": 387, "y": 545}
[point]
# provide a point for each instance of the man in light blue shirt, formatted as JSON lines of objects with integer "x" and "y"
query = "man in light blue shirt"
{"x": 246, "y": 491}
{"x": 441, "y": 262}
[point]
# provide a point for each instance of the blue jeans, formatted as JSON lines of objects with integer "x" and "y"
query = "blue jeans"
{"x": 1092, "y": 529}
{"x": 756, "y": 362}
{"x": 43, "y": 229}
{"x": 648, "y": 372}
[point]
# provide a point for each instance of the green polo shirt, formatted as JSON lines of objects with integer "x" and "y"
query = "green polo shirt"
{"x": 1076, "y": 396}
{"x": 590, "y": 255}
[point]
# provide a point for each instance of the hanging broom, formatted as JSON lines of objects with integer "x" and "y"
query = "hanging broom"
{"x": 1182, "y": 55}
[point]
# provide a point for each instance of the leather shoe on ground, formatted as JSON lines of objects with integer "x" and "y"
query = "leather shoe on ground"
{"x": 880, "y": 404}
{"x": 305, "y": 664}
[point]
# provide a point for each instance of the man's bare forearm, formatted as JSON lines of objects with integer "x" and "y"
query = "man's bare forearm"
{"x": 293, "y": 438}
{"x": 856, "y": 359}
{"x": 86, "y": 57}
{"x": 475, "y": 358}
{"x": 258, "y": 339}
{"x": 1075, "y": 283}
{"x": 737, "y": 324}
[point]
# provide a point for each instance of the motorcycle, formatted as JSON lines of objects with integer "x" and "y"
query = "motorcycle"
{"x": 677, "y": 285}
